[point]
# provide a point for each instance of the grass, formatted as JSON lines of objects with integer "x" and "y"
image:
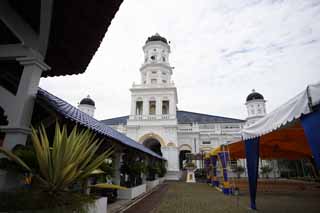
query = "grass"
{"x": 197, "y": 198}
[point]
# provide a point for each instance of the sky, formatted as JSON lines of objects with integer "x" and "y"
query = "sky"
{"x": 220, "y": 49}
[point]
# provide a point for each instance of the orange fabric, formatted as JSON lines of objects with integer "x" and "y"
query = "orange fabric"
{"x": 285, "y": 143}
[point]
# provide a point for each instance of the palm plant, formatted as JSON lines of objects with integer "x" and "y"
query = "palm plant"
{"x": 70, "y": 158}
{"x": 265, "y": 170}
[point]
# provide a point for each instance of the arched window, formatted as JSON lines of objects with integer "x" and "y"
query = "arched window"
{"x": 139, "y": 106}
{"x": 165, "y": 107}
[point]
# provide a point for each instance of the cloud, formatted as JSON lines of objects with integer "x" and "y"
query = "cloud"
{"x": 220, "y": 50}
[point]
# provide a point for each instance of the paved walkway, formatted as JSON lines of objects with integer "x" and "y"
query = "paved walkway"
{"x": 180, "y": 197}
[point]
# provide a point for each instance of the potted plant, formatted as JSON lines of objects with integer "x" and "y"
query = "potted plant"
{"x": 238, "y": 170}
{"x": 61, "y": 163}
{"x": 265, "y": 170}
{"x": 132, "y": 169}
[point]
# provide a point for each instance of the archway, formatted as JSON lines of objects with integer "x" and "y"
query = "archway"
{"x": 153, "y": 144}
{"x": 182, "y": 157}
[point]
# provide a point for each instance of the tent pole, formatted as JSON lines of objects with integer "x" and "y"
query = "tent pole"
{"x": 252, "y": 157}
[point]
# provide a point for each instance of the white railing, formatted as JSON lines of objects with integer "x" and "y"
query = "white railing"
{"x": 160, "y": 85}
{"x": 152, "y": 117}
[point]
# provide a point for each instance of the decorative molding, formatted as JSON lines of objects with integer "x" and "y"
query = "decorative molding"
{"x": 181, "y": 147}
{"x": 26, "y": 61}
{"x": 11, "y": 129}
{"x": 152, "y": 135}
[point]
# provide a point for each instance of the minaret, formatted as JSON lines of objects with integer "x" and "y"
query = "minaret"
{"x": 256, "y": 107}
{"x": 156, "y": 96}
{"x": 87, "y": 105}
{"x": 156, "y": 69}
{"x": 153, "y": 121}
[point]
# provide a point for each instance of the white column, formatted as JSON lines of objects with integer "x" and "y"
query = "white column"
{"x": 172, "y": 156}
{"x": 117, "y": 165}
{"x": 21, "y": 108}
{"x": 133, "y": 105}
{"x": 145, "y": 106}
{"x": 158, "y": 106}
{"x": 172, "y": 106}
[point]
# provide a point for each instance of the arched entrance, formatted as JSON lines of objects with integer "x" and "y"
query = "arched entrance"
{"x": 153, "y": 144}
{"x": 182, "y": 157}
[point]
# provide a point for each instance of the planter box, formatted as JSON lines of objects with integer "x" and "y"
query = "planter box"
{"x": 100, "y": 206}
{"x": 152, "y": 184}
{"x": 161, "y": 180}
{"x": 133, "y": 192}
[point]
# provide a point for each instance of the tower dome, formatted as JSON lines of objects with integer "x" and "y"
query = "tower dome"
{"x": 256, "y": 107}
{"x": 157, "y": 37}
{"x": 87, "y": 101}
{"x": 254, "y": 96}
{"x": 87, "y": 105}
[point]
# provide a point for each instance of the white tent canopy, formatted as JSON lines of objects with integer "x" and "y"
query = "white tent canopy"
{"x": 299, "y": 105}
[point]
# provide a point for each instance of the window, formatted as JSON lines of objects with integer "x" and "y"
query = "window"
{"x": 144, "y": 82}
{"x": 153, "y": 57}
{"x": 164, "y": 81}
{"x": 139, "y": 107}
{"x": 164, "y": 73}
{"x": 252, "y": 111}
{"x": 152, "y": 107}
{"x": 206, "y": 142}
{"x": 259, "y": 111}
{"x": 165, "y": 107}
{"x": 154, "y": 72}
{"x": 153, "y": 81}
{"x": 154, "y": 49}
{"x": 163, "y": 59}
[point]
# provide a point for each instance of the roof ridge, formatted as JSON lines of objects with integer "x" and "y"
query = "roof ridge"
{"x": 115, "y": 118}
{"x": 209, "y": 115}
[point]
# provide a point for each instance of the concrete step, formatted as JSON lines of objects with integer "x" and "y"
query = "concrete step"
{"x": 173, "y": 175}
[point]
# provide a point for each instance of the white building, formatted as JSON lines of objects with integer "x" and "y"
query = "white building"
{"x": 156, "y": 122}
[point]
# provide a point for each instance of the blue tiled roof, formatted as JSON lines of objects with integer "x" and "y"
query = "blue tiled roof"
{"x": 81, "y": 118}
{"x": 184, "y": 117}
{"x": 116, "y": 121}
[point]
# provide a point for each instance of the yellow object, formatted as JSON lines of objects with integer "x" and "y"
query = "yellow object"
{"x": 215, "y": 151}
{"x": 207, "y": 156}
{"x": 107, "y": 186}
{"x": 226, "y": 184}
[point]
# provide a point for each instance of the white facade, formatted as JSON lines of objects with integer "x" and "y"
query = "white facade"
{"x": 154, "y": 112}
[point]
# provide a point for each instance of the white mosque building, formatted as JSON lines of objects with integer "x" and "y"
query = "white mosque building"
{"x": 156, "y": 122}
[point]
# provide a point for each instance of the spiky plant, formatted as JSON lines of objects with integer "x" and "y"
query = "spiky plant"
{"x": 70, "y": 158}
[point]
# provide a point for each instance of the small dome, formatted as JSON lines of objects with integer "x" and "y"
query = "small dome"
{"x": 157, "y": 37}
{"x": 254, "y": 96}
{"x": 87, "y": 101}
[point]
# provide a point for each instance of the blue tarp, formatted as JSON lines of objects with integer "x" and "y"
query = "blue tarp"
{"x": 72, "y": 113}
{"x": 252, "y": 154}
{"x": 311, "y": 126}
